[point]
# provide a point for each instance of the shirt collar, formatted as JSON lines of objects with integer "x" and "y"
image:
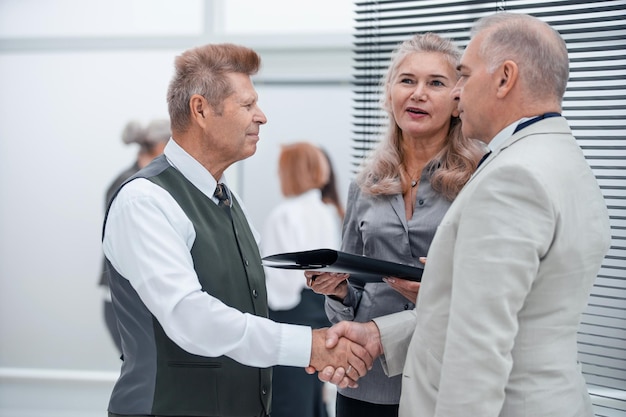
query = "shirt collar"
{"x": 314, "y": 194}
{"x": 504, "y": 134}
{"x": 191, "y": 169}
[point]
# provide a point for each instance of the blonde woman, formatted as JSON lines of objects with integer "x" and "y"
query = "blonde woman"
{"x": 398, "y": 199}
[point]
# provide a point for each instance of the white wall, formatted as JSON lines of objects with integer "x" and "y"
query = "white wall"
{"x": 63, "y": 104}
{"x": 62, "y": 114}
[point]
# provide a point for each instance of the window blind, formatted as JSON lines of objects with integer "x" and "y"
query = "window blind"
{"x": 594, "y": 104}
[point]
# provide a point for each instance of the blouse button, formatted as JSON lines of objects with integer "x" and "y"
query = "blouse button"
{"x": 421, "y": 202}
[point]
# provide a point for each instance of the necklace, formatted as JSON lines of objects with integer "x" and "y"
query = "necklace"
{"x": 415, "y": 181}
{"x": 410, "y": 197}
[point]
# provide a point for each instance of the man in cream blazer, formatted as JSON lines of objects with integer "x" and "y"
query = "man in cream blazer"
{"x": 514, "y": 259}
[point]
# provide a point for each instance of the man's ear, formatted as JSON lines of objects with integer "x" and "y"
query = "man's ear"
{"x": 506, "y": 76}
{"x": 199, "y": 109}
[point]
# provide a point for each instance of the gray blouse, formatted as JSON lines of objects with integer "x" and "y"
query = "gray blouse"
{"x": 376, "y": 226}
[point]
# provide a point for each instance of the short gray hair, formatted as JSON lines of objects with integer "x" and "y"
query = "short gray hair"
{"x": 539, "y": 51}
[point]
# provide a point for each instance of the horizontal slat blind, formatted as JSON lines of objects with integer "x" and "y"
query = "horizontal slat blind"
{"x": 594, "y": 104}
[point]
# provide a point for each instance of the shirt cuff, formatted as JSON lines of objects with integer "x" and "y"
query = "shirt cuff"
{"x": 350, "y": 299}
{"x": 295, "y": 345}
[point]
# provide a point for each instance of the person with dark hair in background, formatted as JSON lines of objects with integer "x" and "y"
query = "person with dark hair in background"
{"x": 514, "y": 260}
{"x": 399, "y": 198}
{"x": 302, "y": 221}
{"x": 330, "y": 191}
{"x": 151, "y": 140}
{"x": 184, "y": 268}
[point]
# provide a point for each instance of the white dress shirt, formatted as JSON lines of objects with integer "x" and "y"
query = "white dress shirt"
{"x": 298, "y": 223}
{"x": 148, "y": 239}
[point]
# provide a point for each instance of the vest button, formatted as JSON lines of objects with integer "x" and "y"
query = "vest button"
{"x": 247, "y": 263}
{"x": 264, "y": 391}
{"x": 255, "y": 293}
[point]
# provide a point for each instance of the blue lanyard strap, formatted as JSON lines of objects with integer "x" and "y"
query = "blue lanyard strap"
{"x": 534, "y": 120}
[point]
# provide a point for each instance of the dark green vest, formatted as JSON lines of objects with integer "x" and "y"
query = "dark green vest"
{"x": 228, "y": 264}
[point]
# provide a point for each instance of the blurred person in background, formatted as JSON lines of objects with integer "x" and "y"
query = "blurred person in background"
{"x": 398, "y": 199}
{"x": 151, "y": 140}
{"x": 330, "y": 191}
{"x": 302, "y": 221}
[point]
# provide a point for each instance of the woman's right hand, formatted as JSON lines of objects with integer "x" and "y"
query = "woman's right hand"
{"x": 328, "y": 283}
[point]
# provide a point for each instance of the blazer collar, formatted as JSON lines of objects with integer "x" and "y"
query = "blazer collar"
{"x": 552, "y": 125}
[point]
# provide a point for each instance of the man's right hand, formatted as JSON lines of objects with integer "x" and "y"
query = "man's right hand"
{"x": 349, "y": 360}
{"x": 364, "y": 334}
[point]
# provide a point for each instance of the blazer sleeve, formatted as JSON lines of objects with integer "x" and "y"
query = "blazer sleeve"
{"x": 396, "y": 331}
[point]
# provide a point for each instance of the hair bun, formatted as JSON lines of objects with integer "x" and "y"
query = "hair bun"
{"x": 132, "y": 133}
{"x": 156, "y": 132}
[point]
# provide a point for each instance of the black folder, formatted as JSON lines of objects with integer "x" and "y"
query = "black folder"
{"x": 359, "y": 267}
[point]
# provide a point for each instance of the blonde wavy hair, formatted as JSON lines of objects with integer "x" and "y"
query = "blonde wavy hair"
{"x": 451, "y": 168}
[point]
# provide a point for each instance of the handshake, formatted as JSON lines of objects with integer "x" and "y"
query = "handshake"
{"x": 345, "y": 352}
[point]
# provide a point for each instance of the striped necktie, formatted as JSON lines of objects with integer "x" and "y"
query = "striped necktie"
{"x": 221, "y": 193}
